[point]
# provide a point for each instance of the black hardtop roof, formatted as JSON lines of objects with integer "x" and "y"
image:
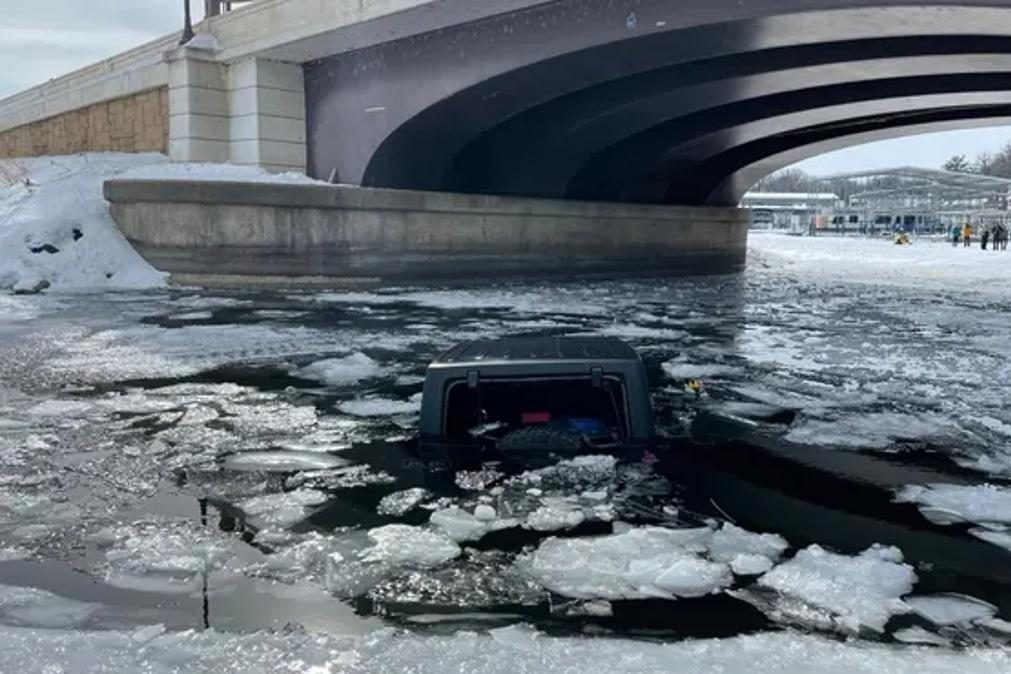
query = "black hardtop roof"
{"x": 537, "y": 349}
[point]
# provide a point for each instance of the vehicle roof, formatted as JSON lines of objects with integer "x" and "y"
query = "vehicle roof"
{"x": 528, "y": 349}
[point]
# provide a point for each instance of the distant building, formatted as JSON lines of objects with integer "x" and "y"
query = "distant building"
{"x": 917, "y": 200}
{"x": 797, "y": 212}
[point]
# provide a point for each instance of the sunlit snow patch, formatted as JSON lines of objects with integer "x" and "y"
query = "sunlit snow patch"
{"x": 836, "y": 591}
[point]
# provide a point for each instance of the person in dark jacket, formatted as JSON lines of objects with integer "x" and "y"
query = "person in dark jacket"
{"x": 984, "y": 237}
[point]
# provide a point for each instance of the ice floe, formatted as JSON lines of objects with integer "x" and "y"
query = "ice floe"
{"x": 282, "y": 461}
{"x": 350, "y": 369}
{"x": 951, "y": 609}
{"x": 401, "y": 502}
{"x": 841, "y": 591}
{"x": 282, "y": 509}
{"x": 379, "y": 407}
{"x": 30, "y": 607}
{"x": 362, "y": 561}
{"x": 460, "y": 525}
{"x": 946, "y": 503}
{"x": 870, "y": 431}
{"x": 647, "y": 562}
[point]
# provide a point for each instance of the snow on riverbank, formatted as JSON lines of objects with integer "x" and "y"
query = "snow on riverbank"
{"x": 55, "y": 224}
{"x": 925, "y": 263}
{"x": 58, "y": 228}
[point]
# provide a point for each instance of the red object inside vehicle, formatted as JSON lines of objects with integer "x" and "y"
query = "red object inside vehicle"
{"x": 535, "y": 417}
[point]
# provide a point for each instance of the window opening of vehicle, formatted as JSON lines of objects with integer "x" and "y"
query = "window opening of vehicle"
{"x": 574, "y": 404}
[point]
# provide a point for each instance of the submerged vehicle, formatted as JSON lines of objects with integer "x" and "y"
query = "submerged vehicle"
{"x": 538, "y": 393}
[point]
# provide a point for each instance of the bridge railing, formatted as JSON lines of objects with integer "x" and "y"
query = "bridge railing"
{"x": 217, "y": 7}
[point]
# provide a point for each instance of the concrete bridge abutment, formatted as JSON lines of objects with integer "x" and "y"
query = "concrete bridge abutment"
{"x": 256, "y": 233}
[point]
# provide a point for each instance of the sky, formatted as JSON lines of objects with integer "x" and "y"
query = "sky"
{"x": 42, "y": 39}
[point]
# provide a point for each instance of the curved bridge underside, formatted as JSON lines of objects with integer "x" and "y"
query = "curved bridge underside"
{"x": 654, "y": 101}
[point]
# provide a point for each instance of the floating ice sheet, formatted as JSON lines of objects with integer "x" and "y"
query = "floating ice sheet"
{"x": 648, "y": 562}
{"x": 860, "y": 591}
{"x": 971, "y": 503}
{"x": 282, "y": 509}
{"x": 951, "y": 609}
{"x": 379, "y": 407}
{"x": 350, "y": 369}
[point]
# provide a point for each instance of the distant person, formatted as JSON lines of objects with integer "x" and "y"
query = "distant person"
{"x": 984, "y": 238}
{"x": 966, "y": 235}
{"x": 955, "y": 234}
{"x": 1000, "y": 237}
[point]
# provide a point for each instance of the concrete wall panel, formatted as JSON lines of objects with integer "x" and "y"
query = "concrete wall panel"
{"x": 255, "y": 230}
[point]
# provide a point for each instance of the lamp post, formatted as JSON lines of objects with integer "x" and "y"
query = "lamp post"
{"x": 187, "y": 23}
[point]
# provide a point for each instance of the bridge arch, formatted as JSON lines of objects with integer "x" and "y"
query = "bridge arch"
{"x": 634, "y": 101}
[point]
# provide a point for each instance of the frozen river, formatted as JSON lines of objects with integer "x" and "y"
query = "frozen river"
{"x": 173, "y": 461}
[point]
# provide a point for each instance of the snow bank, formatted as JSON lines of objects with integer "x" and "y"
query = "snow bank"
{"x": 512, "y": 649}
{"x": 58, "y": 227}
{"x": 650, "y": 562}
{"x": 853, "y": 592}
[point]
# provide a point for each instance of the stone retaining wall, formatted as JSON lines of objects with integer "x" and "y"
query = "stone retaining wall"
{"x": 134, "y": 123}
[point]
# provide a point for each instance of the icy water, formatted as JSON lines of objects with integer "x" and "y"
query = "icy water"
{"x": 248, "y": 461}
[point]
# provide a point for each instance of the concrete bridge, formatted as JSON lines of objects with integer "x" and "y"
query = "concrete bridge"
{"x": 684, "y": 102}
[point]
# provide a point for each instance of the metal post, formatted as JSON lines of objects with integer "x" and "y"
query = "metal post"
{"x": 187, "y": 23}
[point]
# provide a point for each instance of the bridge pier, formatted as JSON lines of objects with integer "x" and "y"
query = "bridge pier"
{"x": 255, "y": 234}
{"x": 250, "y": 112}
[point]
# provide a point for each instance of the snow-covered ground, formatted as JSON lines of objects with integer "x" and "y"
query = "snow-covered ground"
{"x": 925, "y": 264}
{"x": 55, "y": 225}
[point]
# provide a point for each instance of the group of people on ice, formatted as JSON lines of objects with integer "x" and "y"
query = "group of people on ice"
{"x": 995, "y": 235}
